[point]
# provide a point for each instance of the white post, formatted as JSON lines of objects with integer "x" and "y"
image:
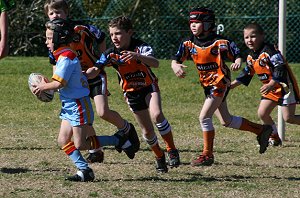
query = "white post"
{"x": 282, "y": 47}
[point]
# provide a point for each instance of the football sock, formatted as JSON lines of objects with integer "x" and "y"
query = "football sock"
{"x": 75, "y": 155}
{"x": 164, "y": 129}
{"x": 153, "y": 143}
{"x": 251, "y": 126}
{"x": 112, "y": 141}
{"x": 126, "y": 127}
{"x": 95, "y": 144}
{"x": 168, "y": 139}
{"x": 208, "y": 143}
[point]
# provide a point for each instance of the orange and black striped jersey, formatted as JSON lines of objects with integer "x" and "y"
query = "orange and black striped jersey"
{"x": 86, "y": 41}
{"x": 133, "y": 75}
{"x": 268, "y": 63}
{"x": 209, "y": 56}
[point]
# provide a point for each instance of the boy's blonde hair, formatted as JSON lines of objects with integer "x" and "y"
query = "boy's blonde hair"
{"x": 57, "y": 5}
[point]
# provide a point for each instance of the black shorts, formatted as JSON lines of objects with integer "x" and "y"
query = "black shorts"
{"x": 137, "y": 99}
{"x": 98, "y": 85}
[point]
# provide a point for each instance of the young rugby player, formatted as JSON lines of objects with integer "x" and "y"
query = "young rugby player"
{"x": 88, "y": 54}
{"x": 209, "y": 52}
{"x": 279, "y": 84}
{"x": 133, "y": 59}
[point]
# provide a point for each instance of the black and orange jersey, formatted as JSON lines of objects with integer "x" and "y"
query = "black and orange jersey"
{"x": 86, "y": 41}
{"x": 209, "y": 56}
{"x": 268, "y": 63}
{"x": 133, "y": 75}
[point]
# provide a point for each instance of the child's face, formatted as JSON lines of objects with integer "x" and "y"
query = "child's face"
{"x": 196, "y": 28}
{"x": 252, "y": 39}
{"x": 120, "y": 38}
{"x": 49, "y": 40}
{"x": 55, "y": 14}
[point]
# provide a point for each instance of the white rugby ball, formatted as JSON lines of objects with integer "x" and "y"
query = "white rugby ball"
{"x": 35, "y": 79}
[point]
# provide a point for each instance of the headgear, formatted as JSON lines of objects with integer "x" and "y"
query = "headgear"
{"x": 204, "y": 15}
{"x": 63, "y": 31}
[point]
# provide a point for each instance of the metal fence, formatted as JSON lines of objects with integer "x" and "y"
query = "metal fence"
{"x": 163, "y": 24}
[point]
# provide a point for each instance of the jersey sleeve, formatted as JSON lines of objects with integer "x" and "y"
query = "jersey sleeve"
{"x": 63, "y": 71}
{"x": 100, "y": 35}
{"x": 280, "y": 71}
{"x": 246, "y": 75}
{"x": 146, "y": 50}
{"x": 182, "y": 53}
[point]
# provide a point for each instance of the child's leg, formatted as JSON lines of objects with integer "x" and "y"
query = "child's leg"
{"x": 145, "y": 122}
{"x": 263, "y": 132}
{"x": 163, "y": 127}
{"x": 84, "y": 172}
{"x": 289, "y": 116}
{"x": 160, "y": 121}
{"x": 209, "y": 107}
{"x": 264, "y": 113}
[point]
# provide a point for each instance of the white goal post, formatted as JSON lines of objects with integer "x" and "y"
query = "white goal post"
{"x": 282, "y": 48}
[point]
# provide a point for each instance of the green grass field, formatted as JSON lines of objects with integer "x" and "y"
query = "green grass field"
{"x": 32, "y": 165}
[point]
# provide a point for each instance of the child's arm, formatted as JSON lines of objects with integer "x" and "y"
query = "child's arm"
{"x": 178, "y": 69}
{"x": 234, "y": 84}
{"x": 148, "y": 60}
{"x": 236, "y": 65}
{"x": 54, "y": 85}
{"x": 92, "y": 72}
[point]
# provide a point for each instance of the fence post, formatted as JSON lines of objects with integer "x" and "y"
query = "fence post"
{"x": 282, "y": 47}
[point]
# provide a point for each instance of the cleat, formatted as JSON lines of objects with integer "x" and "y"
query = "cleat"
{"x": 173, "y": 158}
{"x": 85, "y": 175}
{"x": 95, "y": 157}
{"x": 203, "y": 160}
{"x": 130, "y": 151}
{"x": 275, "y": 140}
{"x": 161, "y": 165}
{"x": 263, "y": 138}
{"x": 134, "y": 138}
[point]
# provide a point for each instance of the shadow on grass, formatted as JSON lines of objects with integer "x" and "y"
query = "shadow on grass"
{"x": 14, "y": 170}
{"x": 201, "y": 178}
{"x": 26, "y": 170}
{"x": 23, "y": 148}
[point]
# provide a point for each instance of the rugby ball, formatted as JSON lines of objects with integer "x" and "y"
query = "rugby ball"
{"x": 35, "y": 79}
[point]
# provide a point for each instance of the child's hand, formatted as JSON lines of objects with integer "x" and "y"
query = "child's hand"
{"x": 129, "y": 55}
{"x": 265, "y": 89}
{"x": 235, "y": 66}
{"x": 92, "y": 72}
{"x": 178, "y": 69}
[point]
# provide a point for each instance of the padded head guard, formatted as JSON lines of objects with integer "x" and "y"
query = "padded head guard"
{"x": 204, "y": 15}
{"x": 63, "y": 31}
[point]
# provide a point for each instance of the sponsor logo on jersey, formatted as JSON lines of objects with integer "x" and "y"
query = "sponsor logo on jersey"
{"x": 207, "y": 66}
{"x": 133, "y": 75}
{"x": 263, "y": 77}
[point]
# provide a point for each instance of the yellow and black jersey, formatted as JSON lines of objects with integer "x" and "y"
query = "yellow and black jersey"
{"x": 209, "y": 56}
{"x": 268, "y": 63}
{"x": 133, "y": 75}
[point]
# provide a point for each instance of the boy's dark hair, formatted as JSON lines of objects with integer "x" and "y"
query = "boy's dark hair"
{"x": 63, "y": 31}
{"x": 121, "y": 22}
{"x": 56, "y": 4}
{"x": 256, "y": 27}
